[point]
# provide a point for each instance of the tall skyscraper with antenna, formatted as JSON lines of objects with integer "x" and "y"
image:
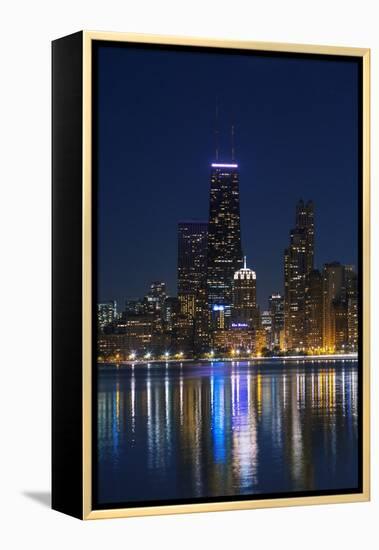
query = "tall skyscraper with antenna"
{"x": 224, "y": 252}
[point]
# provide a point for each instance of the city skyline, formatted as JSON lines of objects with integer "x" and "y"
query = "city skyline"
{"x": 227, "y": 317}
{"x": 216, "y": 311}
{"x": 146, "y": 187}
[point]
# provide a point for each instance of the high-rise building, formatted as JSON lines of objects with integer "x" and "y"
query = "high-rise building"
{"x": 341, "y": 325}
{"x": 192, "y": 279}
{"x": 155, "y": 298}
{"x": 192, "y": 256}
{"x": 352, "y": 307}
{"x": 244, "y": 296}
{"x": 135, "y": 306}
{"x": 334, "y": 306}
{"x": 131, "y": 334}
{"x": 224, "y": 252}
{"x": 276, "y": 308}
{"x": 171, "y": 309}
{"x": 298, "y": 262}
{"x": 340, "y": 308}
{"x": 266, "y": 325}
{"x": 106, "y": 314}
{"x": 314, "y": 311}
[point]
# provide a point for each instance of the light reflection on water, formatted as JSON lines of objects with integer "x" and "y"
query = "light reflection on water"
{"x": 213, "y": 430}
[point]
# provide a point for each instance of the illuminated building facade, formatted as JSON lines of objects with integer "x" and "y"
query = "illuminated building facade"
{"x": 171, "y": 310}
{"x": 192, "y": 278}
{"x": 183, "y": 334}
{"x": 333, "y": 305}
{"x": 106, "y": 314}
{"x": 244, "y": 297}
{"x": 266, "y": 326}
{"x": 313, "y": 311}
{"x": 276, "y": 309}
{"x": 135, "y": 306}
{"x": 155, "y": 298}
{"x": 298, "y": 263}
{"x": 131, "y": 334}
{"x": 192, "y": 255}
{"x": 340, "y": 303}
{"x": 351, "y": 283}
{"x": 224, "y": 251}
{"x": 235, "y": 339}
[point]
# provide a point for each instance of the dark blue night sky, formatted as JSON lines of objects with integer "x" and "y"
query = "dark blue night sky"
{"x": 296, "y": 126}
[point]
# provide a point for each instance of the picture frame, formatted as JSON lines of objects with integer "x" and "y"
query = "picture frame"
{"x": 76, "y": 79}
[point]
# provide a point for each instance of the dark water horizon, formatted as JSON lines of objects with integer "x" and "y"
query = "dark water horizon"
{"x": 174, "y": 432}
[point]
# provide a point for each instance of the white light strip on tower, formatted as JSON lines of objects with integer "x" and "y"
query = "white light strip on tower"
{"x": 216, "y": 165}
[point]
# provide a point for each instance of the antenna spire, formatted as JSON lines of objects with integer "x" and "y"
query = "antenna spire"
{"x": 232, "y": 139}
{"x": 244, "y": 262}
{"x": 216, "y": 130}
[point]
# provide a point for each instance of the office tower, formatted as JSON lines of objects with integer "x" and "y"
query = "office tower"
{"x": 106, "y": 314}
{"x": 314, "y": 311}
{"x": 224, "y": 253}
{"x": 334, "y": 307}
{"x": 135, "y": 306}
{"x": 244, "y": 298}
{"x": 276, "y": 308}
{"x": 155, "y": 298}
{"x": 183, "y": 334}
{"x": 171, "y": 309}
{"x": 298, "y": 262}
{"x": 351, "y": 283}
{"x": 340, "y": 325}
{"x": 347, "y": 313}
{"x": 131, "y": 334}
{"x": 192, "y": 274}
{"x": 266, "y": 326}
{"x": 192, "y": 254}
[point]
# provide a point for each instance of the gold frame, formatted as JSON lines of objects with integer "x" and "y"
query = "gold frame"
{"x": 364, "y": 53}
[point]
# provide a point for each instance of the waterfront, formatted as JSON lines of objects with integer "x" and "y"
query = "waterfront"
{"x": 187, "y": 431}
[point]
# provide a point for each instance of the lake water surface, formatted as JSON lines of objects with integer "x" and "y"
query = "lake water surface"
{"x": 200, "y": 430}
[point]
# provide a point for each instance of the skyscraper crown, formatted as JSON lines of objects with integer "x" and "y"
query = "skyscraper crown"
{"x": 244, "y": 272}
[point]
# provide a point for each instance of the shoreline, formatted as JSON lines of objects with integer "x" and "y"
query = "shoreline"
{"x": 353, "y": 357}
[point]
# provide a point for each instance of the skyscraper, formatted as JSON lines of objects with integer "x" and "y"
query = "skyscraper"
{"x": 352, "y": 307}
{"x": 340, "y": 307}
{"x": 298, "y": 262}
{"x": 245, "y": 311}
{"x": 276, "y": 308}
{"x": 313, "y": 311}
{"x": 155, "y": 298}
{"x": 224, "y": 253}
{"x": 333, "y": 297}
{"x": 266, "y": 326}
{"x": 192, "y": 279}
{"x": 106, "y": 314}
{"x": 192, "y": 252}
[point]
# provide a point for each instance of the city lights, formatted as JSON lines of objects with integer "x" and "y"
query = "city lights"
{"x": 216, "y": 306}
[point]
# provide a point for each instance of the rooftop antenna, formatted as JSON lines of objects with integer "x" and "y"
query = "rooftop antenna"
{"x": 216, "y": 130}
{"x": 232, "y": 139}
{"x": 244, "y": 262}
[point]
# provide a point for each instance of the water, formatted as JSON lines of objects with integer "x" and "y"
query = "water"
{"x": 211, "y": 430}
